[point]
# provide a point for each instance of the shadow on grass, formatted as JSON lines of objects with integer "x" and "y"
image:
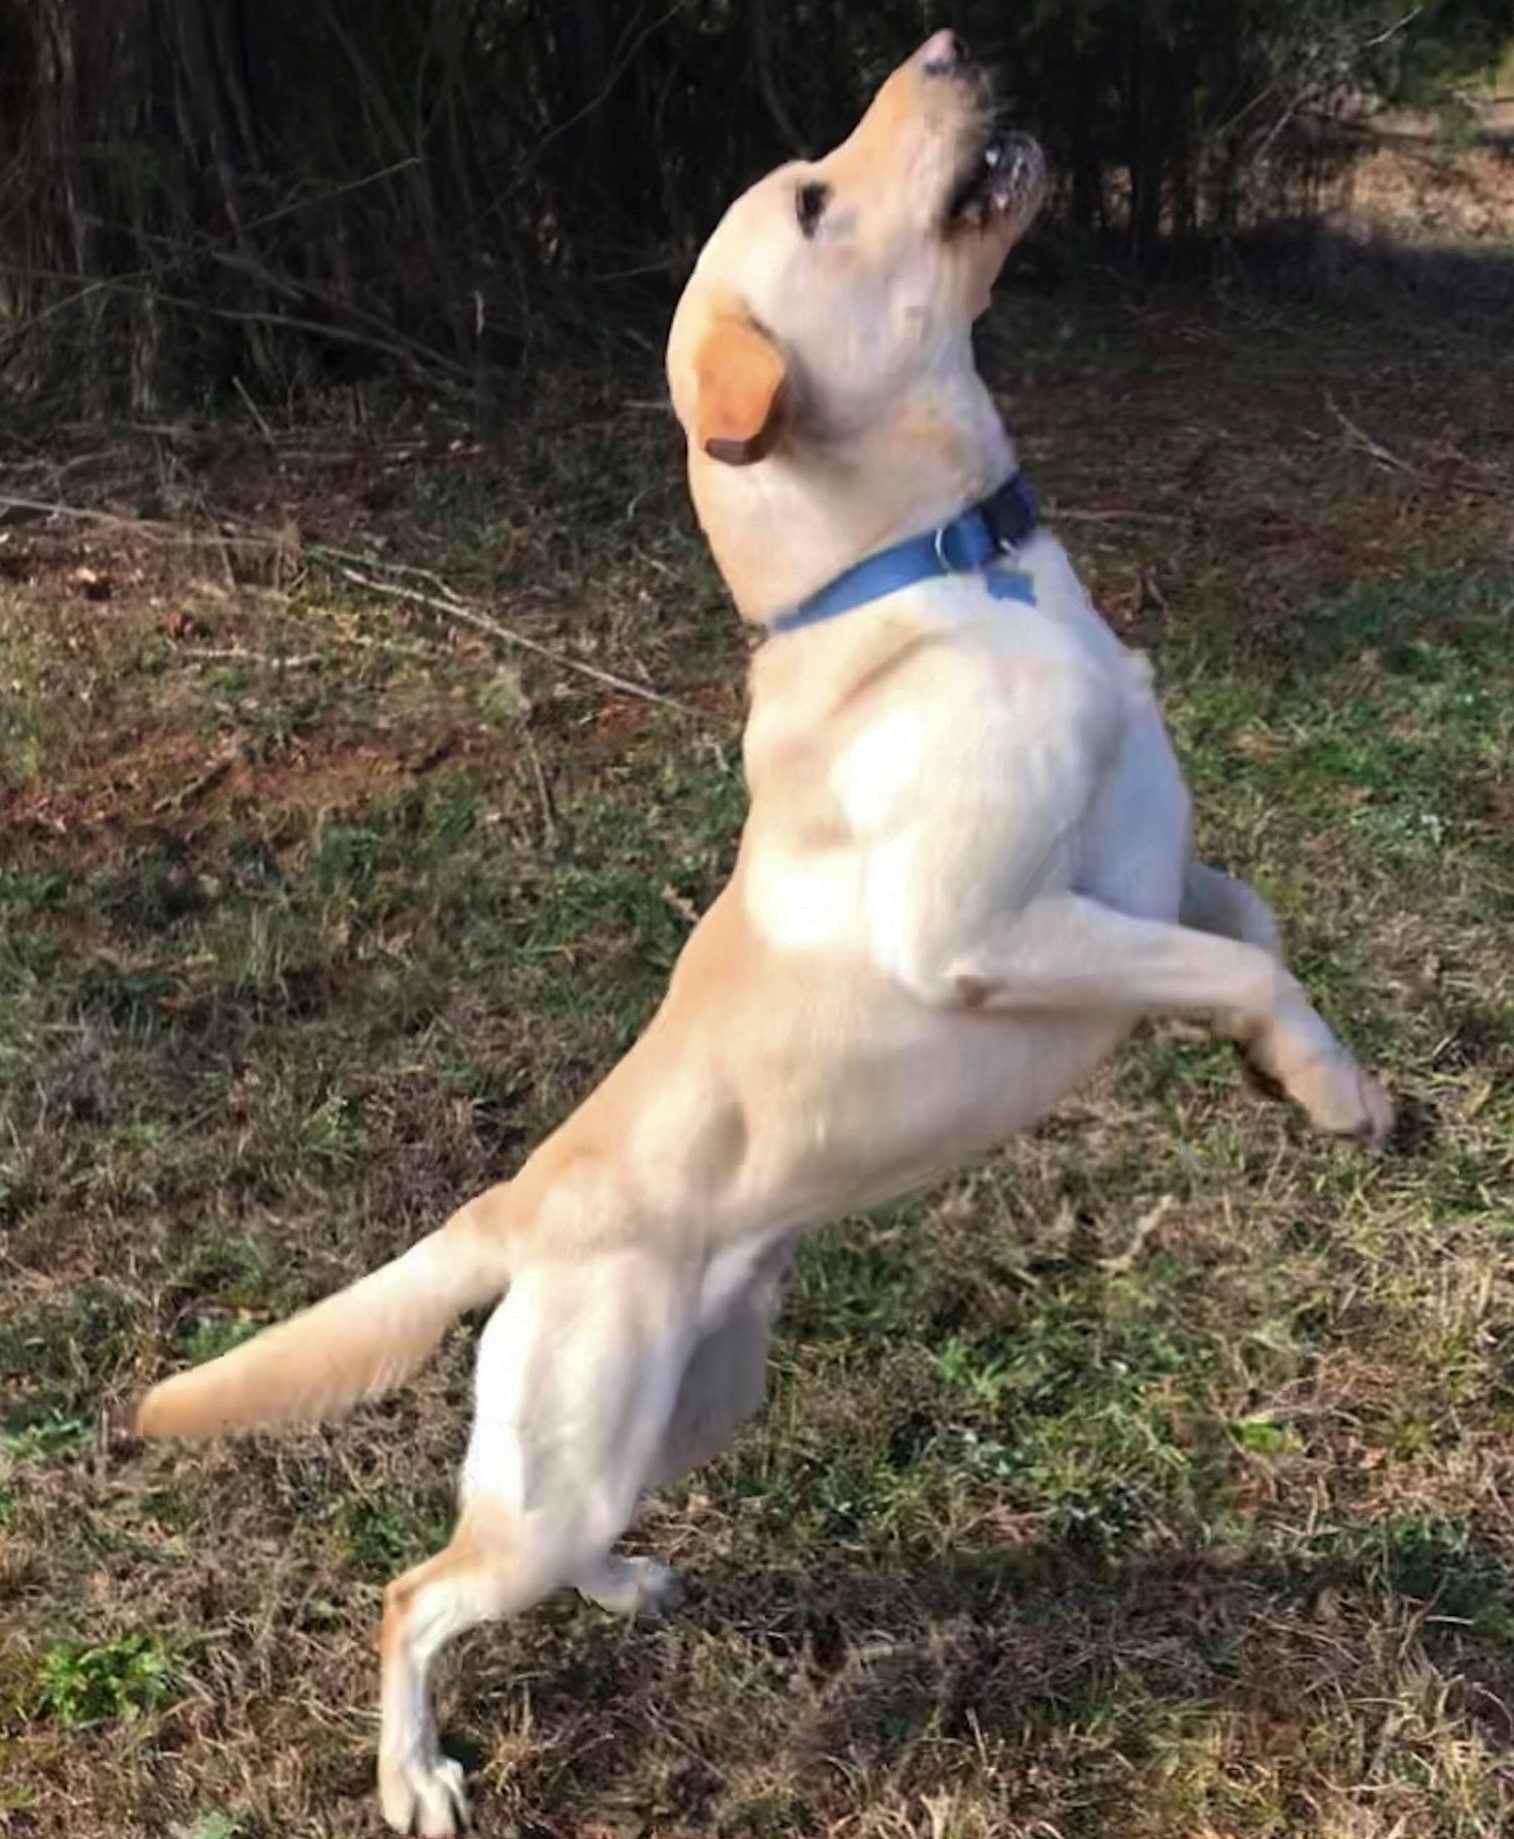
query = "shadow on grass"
{"x": 975, "y": 1672}
{"x": 1460, "y": 286}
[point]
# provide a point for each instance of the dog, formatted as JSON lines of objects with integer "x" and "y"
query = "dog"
{"x": 965, "y": 875}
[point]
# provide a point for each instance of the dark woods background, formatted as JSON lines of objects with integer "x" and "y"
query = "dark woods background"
{"x": 285, "y": 193}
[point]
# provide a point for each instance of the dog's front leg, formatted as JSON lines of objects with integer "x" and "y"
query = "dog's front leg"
{"x": 1230, "y": 908}
{"x": 1069, "y": 952}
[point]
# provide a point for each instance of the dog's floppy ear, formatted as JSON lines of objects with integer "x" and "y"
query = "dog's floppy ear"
{"x": 739, "y": 377}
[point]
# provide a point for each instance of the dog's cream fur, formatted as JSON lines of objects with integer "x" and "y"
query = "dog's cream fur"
{"x": 964, "y": 876}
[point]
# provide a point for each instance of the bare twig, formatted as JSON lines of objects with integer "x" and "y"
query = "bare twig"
{"x": 625, "y": 56}
{"x": 138, "y": 526}
{"x": 483, "y": 622}
{"x": 46, "y": 507}
{"x": 444, "y": 601}
{"x": 366, "y": 641}
{"x": 622, "y": 63}
{"x": 256, "y": 413}
{"x": 1145, "y": 1227}
{"x": 1311, "y": 91}
{"x": 767, "y": 83}
{"x": 201, "y": 784}
{"x": 193, "y": 248}
{"x": 322, "y": 199}
{"x": 325, "y": 552}
{"x": 238, "y": 654}
{"x": 543, "y": 792}
{"x": 1365, "y": 441}
{"x": 1381, "y": 38}
{"x": 441, "y": 370}
{"x": 1055, "y": 514}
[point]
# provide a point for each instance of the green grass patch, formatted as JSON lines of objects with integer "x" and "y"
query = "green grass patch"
{"x": 117, "y": 1682}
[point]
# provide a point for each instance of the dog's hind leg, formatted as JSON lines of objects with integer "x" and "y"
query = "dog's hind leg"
{"x": 578, "y": 1371}
{"x": 726, "y": 1378}
{"x": 723, "y": 1384}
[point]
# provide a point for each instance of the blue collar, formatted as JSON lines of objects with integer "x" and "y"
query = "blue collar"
{"x": 982, "y": 534}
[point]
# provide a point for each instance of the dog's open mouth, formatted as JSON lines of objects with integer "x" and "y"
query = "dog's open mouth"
{"x": 1006, "y": 176}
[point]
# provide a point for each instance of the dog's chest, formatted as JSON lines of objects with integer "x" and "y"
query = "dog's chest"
{"x": 992, "y": 698}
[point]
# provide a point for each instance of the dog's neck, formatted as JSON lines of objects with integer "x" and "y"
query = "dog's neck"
{"x": 783, "y": 528}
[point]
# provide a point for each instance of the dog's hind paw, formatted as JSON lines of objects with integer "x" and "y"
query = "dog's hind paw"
{"x": 632, "y": 1586}
{"x": 423, "y": 1795}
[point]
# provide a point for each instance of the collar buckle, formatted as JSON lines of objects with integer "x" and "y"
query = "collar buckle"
{"x": 964, "y": 545}
{"x": 975, "y": 542}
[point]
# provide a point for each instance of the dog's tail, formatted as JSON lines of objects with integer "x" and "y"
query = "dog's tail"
{"x": 364, "y": 1340}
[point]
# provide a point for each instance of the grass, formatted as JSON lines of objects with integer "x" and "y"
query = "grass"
{"x": 1149, "y": 1482}
{"x": 117, "y": 1683}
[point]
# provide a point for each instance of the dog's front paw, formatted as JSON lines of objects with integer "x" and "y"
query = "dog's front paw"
{"x": 423, "y": 1795}
{"x": 1342, "y": 1098}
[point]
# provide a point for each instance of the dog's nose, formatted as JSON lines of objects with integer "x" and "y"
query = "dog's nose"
{"x": 943, "y": 54}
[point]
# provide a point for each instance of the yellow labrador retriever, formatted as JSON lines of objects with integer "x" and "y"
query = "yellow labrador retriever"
{"x": 964, "y": 876}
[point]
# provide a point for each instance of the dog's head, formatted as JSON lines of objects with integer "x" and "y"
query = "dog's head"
{"x": 837, "y": 294}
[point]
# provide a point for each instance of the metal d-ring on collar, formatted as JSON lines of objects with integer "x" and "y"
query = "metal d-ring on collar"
{"x": 985, "y": 532}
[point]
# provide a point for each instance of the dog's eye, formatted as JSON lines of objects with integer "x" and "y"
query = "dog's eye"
{"x": 809, "y": 205}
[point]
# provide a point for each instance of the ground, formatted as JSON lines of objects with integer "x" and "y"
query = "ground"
{"x": 1153, "y": 1481}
